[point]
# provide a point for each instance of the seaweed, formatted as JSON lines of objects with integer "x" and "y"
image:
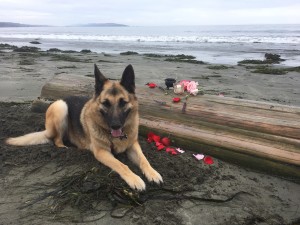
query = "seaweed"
{"x": 7, "y": 46}
{"x": 293, "y": 69}
{"x": 26, "y": 62}
{"x": 69, "y": 51}
{"x": 85, "y": 51}
{"x": 270, "y": 70}
{"x": 35, "y": 42}
{"x": 27, "y": 49}
{"x": 264, "y": 69}
{"x": 85, "y": 190}
{"x": 67, "y": 67}
{"x": 219, "y": 67}
{"x": 252, "y": 61}
{"x": 129, "y": 53}
{"x": 153, "y": 55}
{"x": 54, "y": 50}
{"x": 269, "y": 59}
{"x": 65, "y": 57}
{"x": 193, "y": 61}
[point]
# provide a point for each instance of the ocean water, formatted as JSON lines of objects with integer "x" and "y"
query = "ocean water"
{"x": 212, "y": 44}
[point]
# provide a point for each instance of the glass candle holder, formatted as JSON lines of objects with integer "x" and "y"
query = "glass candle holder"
{"x": 178, "y": 88}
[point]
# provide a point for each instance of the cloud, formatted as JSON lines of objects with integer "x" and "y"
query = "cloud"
{"x": 150, "y": 12}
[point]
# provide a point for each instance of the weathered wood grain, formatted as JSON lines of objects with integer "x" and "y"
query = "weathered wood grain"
{"x": 266, "y": 130}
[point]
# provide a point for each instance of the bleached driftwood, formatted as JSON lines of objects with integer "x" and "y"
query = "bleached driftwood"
{"x": 241, "y": 131}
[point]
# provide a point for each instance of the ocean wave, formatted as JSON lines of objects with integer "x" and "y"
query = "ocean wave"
{"x": 159, "y": 38}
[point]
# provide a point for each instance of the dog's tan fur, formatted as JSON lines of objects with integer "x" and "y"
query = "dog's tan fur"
{"x": 96, "y": 136}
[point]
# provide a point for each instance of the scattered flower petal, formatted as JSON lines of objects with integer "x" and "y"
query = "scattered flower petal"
{"x": 166, "y": 141}
{"x": 180, "y": 150}
{"x": 151, "y": 85}
{"x": 169, "y": 149}
{"x": 174, "y": 153}
{"x": 156, "y": 138}
{"x": 150, "y": 137}
{"x": 176, "y": 99}
{"x": 160, "y": 147}
{"x": 198, "y": 156}
{"x": 158, "y": 143}
{"x": 208, "y": 160}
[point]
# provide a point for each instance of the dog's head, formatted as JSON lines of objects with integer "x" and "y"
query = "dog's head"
{"x": 116, "y": 100}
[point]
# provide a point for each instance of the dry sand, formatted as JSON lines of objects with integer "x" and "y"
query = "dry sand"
{"x": 193, "y": 193}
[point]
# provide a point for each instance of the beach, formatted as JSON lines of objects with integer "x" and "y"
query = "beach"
{"x": 24, "y": 74}
{"x": 193, "y": 192}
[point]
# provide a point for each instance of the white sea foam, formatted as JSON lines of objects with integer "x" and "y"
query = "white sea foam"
{"x": 218, "y": 44}
{"x": 157, "y": 38}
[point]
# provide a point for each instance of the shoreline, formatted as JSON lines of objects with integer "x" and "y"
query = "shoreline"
{"x": 25, "y": 71}
{"x": 236, "y": 194}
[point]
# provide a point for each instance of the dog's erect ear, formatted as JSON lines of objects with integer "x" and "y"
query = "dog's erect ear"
{"x": 100, "y": 79}
{"x": 127, "y": 80}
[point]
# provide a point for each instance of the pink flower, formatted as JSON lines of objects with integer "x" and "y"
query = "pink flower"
{"x": 194, "y": 92}
{"x": 184, "y": 83}
{"x": 192, "y": 88}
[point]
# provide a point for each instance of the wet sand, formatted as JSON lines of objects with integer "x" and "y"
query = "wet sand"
{"x": 193, "y": 192}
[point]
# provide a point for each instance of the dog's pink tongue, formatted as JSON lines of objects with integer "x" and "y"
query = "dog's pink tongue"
{"x": 116, "y": 133}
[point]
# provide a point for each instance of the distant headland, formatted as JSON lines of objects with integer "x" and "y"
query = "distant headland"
{"x": 102, "y": 25}
{"x": 10, "y": 24}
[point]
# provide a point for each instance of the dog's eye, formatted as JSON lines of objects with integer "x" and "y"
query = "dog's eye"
{"x": 106, "y": 103}
{"x": 122, "y": 102}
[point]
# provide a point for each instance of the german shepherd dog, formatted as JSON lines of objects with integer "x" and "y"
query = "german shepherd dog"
{"x": 107, "y": 123}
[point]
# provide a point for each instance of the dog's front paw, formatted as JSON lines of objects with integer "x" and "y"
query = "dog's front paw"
{"x": 153, "y": 176}
{"x": 135, "y": 182}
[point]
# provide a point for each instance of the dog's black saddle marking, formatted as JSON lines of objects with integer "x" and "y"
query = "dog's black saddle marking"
{"x": 75, "y": 106}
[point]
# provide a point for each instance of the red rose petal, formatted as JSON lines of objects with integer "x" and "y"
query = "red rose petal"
{"x": 158, "y": 143}
{"x": 151, "y": 85}
{"x": 166, "y": 141}
{"x": 160, "y": 147}
{"x": 174, "y": 153}
{"x": 156, "y": 138}
{"x": 208, "y": 160}
{"x": 169, "y": 149}
{"x": 176, "y": 99}
{"x": 150, "y": 137}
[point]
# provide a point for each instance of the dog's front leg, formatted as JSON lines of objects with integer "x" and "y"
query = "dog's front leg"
{"x": 106, "y": 158}
{"x": 136, "y": 155}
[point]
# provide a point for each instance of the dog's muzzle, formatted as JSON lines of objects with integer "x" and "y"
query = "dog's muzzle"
{"x": 118, "y": 133}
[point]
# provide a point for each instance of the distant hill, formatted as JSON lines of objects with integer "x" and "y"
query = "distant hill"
{"x": 102, "y": 25}
{"x": 9, "y": 24}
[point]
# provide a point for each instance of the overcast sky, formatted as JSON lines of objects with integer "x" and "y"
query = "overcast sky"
{"x": 151, "y": 12}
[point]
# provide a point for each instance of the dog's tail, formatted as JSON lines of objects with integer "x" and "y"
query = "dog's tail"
{"x": 30, "y": 139}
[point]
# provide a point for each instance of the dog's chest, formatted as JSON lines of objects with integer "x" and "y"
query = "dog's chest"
{"x": 119, "y": 145}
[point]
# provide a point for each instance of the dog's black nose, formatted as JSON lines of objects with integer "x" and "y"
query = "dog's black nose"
{"x": 116, "y": 126}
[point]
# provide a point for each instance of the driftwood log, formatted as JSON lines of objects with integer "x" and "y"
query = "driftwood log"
{"x": 256, "y": 134}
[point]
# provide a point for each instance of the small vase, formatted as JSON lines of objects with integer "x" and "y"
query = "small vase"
{"x": 169, "y": 82}
{"x": 178, "y": 88}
